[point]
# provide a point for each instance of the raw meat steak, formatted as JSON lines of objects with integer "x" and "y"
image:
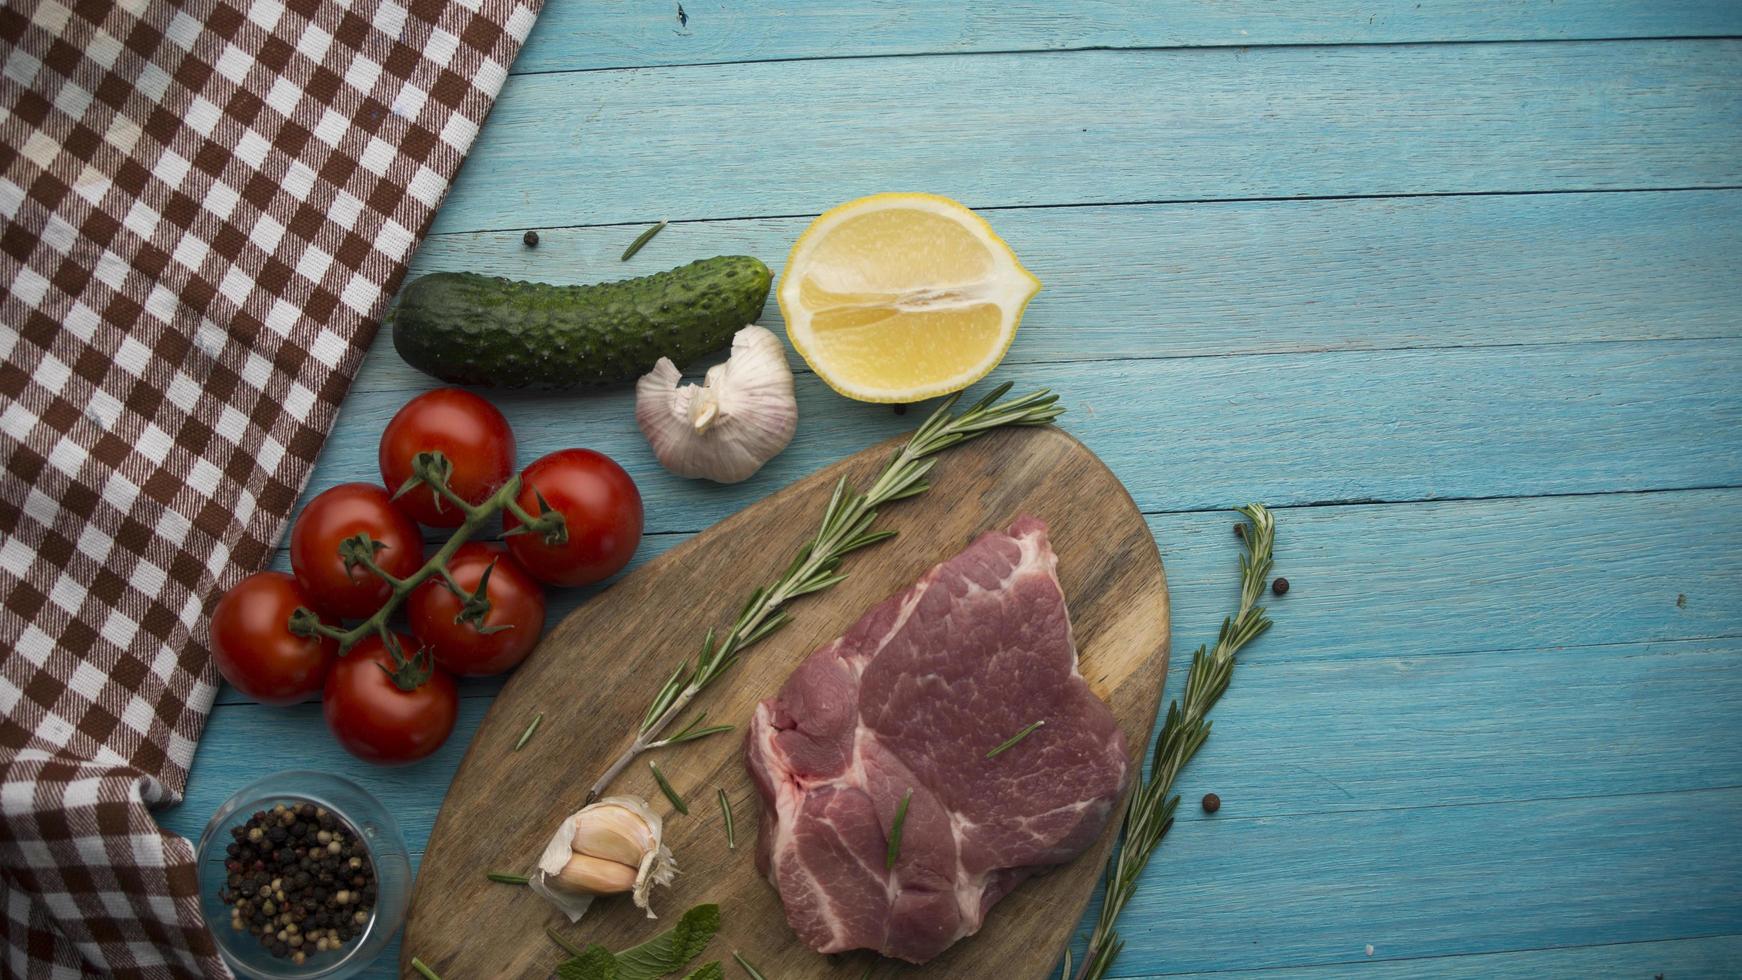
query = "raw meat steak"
{"x": 911, "y": 699}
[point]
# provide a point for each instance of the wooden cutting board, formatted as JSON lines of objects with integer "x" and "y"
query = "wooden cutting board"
{"x": 594, "y": 673}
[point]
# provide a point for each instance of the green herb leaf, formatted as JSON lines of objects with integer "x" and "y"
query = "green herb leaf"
{"x": 677, "y": 802}
{"x": 671, "y": 951}
{"x": 726, "y": 811}
{"x": 708, "y": 971}
{"x": 640, "y": 240}
{"x": 506, "y": 878}
{"x": 895, "y": 832}
{"x": 526, "y": 736}
{"x": 755, "y": 974}
{"x": 596, "y": 963}
{"x": 1012, "y": 740}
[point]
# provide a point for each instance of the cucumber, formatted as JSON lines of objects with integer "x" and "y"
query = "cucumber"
{"x": 486, "y": 330}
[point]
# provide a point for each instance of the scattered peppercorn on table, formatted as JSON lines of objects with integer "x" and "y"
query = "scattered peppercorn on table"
{"x": 1454, "y": 288}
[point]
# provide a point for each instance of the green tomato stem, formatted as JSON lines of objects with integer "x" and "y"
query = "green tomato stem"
{"x": 437, "y": 564}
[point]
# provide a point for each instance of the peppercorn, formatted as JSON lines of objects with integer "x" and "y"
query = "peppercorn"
{"x": 298, "y": 879}
{"x": 1212, "y": 803}
{"x": 1279, "y": 587}
{"x": 1239, "y": 530}
{"x": 530, "y": 238}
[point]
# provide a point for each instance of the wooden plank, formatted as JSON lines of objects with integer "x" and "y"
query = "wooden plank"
{"x": 1705, "y": 957}
{"x": 1444, "y": 578}
{"x": 1506, "y": 577}
{"x": 625, "y": 642}
{"x": 1422, "y": 579}
{"x": 1233, "y": 893}
{"x": 1106, "y": 127}
{"x": 1263, "y": 277}
{"x": 1230, "y": 895}
{"x": 1352, "y": 736}
{"x": 1388, "y": 425}
{"x": 632, "y": 34}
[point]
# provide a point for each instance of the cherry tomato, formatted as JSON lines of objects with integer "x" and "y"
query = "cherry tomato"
{"x": 389, "y": 706}
{"x": 340, "y": 513}
{"x": 601, "y": 512}
{"x": 511, "y": 627}
{"x": 469, "y": 432}
{"x": 254, "y": 647}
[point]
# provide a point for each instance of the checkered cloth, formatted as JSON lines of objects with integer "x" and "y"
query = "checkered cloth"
{"x": 204, "y": 207}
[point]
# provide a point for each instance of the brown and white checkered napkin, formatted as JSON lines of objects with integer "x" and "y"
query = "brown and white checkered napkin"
{"x": 204, "y": 207}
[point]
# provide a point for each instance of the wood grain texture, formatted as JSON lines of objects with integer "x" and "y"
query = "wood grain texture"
{"x": 1714, "y": 956}
{"x": 1104, "y": 127}
{"x": 1314, "y": 890}
{"x": 1385, "y": 425}
{"x": 632, "y": 33}
{"x": 1571, "y": 571}
{"x": 1518, "y": 595}
{"x": 1485, "y": 737}
{"x": 1248, "y": 277}
{"x": 593, "y": 674}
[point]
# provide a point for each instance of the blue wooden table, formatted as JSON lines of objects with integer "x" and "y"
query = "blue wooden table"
{"x": 1456, "y": 286}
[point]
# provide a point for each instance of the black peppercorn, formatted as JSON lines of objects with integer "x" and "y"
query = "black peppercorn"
{"x": 1212, "y": 803}
{"x": 1239, "y": 530}
{"x": 1279, "y": 587}
{"x": 530, "y": 238}
{"x": 281, "y": 887}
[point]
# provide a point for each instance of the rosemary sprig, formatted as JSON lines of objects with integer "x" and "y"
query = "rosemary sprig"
{"x": 526, "y": 736}
{"x": 1019, "y": 736}
{"x": 726, "y": 812}
{"x": 677, "y": 802}
{"x": 846, "y": 527}
{"x": 690, "y": 733}
{"x": 642, "y": 239}
{"x": 755, "y": 974}
{"x": 1149, "y": 812}
{"x": 894, "y": 852}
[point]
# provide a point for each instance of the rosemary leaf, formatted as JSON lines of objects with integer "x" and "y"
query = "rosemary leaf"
{"x": 846, "y": 526}
{"x": 677, "y": 802}
{"x": 1019, "y": 736}
{"x": 423, "y": 969}
{"x": 726, "y": 811}
{"x": 755, "y": 974}
{"x": 568, "y": 947}
{"x": 894, "y": 852}
{"x": 506, "y": 878}
{"x": 1149, "y": 811}
{"x": 642, "y": 239}
{"x": 526, "y": 736}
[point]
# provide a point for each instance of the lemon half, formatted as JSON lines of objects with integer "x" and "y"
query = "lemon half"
{"x": 902, "y": 297}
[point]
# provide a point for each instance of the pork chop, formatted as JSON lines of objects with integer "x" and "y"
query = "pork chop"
{"x": 908, "y": 703}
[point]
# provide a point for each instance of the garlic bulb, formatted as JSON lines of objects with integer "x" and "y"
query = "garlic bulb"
{"x": 741, "y": 416}
{"x": 611, "y": 847}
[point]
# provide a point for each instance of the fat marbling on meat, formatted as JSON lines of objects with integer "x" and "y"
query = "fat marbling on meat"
{"x": 910, "y": 700}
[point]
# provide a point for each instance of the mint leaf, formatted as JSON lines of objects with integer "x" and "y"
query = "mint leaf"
{"x": 709, "y": 971}
{"x": 669, "y": 951}
{"x": 594, "y": 963}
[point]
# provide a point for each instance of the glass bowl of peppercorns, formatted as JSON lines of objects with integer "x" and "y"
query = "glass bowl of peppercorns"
{"x": 303, "y": 874}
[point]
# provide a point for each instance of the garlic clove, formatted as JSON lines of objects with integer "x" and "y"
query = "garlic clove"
{"x": 742, "y": 415}
{"x": 588, "y": 875}
{"x": 581, "y": 861}
{"x": 615, "y": 833}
